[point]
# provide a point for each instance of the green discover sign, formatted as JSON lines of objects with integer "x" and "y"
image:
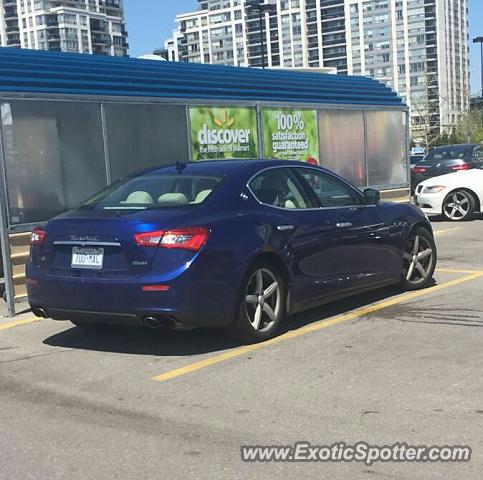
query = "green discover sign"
{"x": 291, "y": 134}
{"x": 218, "y": 133}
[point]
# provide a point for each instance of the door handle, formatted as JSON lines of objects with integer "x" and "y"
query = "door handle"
{"x": 284, "y": 228}
{"x": 343, "y": 224}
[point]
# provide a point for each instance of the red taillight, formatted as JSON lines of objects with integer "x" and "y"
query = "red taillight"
{"x": 149, "y": 239}
{"x": 420, "y": 169}
{"x": 463, "y": 166}
{"x": 186, "y": 238}
{"x": 38, "y": 236}
{"x": 192, "y": 238}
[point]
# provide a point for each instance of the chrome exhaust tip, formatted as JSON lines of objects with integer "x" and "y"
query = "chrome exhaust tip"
{"x": 159, "y": 322}
{"x": 167, "y": 322}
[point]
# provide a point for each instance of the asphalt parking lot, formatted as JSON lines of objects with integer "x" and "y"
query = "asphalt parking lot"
{"x": 380, "y": 368}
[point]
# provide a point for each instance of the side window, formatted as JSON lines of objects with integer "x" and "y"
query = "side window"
{"x": 479, "y": 156}
{"x": 330, "y": 191}
{"x": 279, "y": 187}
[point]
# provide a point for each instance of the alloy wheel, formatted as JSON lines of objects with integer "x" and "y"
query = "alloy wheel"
{"x": 418, "y": 260}
{"x": 263, "y": 300}
{"x": 457, "y": 205}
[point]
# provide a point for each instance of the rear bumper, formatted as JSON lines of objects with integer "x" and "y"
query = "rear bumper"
{"x": 95, "y": 317}
{"x": 189, "y": 301}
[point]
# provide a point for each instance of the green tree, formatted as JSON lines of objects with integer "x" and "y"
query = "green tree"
{"x": 470, "y": 127}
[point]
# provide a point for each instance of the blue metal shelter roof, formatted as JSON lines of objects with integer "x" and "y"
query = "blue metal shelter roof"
{"x": 32, "y": 71}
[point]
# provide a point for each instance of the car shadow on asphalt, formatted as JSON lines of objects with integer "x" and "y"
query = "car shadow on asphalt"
{"x": 162, "y": 342}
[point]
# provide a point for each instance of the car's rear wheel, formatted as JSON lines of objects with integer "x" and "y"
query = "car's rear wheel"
{"x": 419, "y": 260}
{"x": 262, "y": 304}
{"x": 459, "y": 206}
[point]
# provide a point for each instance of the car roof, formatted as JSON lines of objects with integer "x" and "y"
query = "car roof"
{"x": 223, "y": 167}
{"x": 464, "y": 145}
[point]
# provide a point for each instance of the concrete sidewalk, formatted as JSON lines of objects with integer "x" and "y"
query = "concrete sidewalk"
{"x": 23, "y": 314}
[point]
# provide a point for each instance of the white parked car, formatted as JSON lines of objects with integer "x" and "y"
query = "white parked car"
{"x": 456, "y": 196}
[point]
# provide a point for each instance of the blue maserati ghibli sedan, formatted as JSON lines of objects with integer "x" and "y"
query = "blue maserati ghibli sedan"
{"x": 236, "y": 244}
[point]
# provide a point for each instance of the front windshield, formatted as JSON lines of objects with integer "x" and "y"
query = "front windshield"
{"x": 153, "y": 191}
{"x": 450, "y": 153}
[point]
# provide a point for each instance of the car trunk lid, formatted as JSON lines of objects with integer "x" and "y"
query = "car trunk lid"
{"x": 96, "y": 244}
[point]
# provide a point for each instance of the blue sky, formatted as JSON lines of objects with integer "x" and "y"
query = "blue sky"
{"x": 150, "y": 23}
{"x": 476, "y": 30}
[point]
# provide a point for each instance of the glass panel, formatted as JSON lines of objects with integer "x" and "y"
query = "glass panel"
{"x": 279, "y": 187}
{"x": 330, "y": 191}
{"x": 386, "y": 148}
{"x": 479, "y": 156}
{"x": 54, "y": 157}
{"x": 154, "y": 190}
{"x": 143, "y": 136}
{"x": 342, "y": 144}
{"x": 452, "y": 152}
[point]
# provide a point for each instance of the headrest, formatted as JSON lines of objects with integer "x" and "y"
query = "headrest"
{"x": 173, "y": 199}
{"x": 139, "y": 197}
{"x": 202, "y": 196}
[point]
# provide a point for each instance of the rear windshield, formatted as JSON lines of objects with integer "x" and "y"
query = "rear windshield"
{"x": 415, "y": 159}
{"x": 449, "y": 153}
{"x": 154, "y": 191}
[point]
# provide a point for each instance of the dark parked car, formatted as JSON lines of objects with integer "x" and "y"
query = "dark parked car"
{"x": 414, "y": 159}
{"x": 236, "y": 244}
{"x": 448, "y": 159}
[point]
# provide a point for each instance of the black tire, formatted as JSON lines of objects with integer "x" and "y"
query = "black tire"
{"x": 412, "y": 278}
{"x": 459, "y": 206}
{"x": 243, "y": 328}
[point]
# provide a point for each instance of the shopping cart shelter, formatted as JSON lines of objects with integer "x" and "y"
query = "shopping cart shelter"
{"x": 71, "y": 124}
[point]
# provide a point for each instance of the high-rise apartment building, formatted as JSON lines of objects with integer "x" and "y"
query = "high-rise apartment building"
{"x": 418, "y": 47}
{"x": 83, "y": 26}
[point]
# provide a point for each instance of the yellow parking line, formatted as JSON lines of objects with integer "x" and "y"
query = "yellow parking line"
{"x": 313, "y": 327}
{"x": 457, "y": 270}
{"x": 447, "y": 230}
{"x": 17, "y": 323}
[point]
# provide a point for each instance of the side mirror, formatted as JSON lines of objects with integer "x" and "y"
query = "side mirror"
{"x": 371, "y": 196}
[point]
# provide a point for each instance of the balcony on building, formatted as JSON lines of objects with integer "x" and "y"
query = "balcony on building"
{"x": 101, "y": 39}
{"x": 100, "y": 26}
{"x": 100, "y": 50}
{"x": 12, "y": 29}
{"x": 10, "y": 12}
{"x": 13, "y": 40}
{"x": 53, "y": 37}
{"x": 112, "y": 8}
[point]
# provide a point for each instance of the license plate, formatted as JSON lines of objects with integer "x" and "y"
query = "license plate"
{"x": 83, "y": 257}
